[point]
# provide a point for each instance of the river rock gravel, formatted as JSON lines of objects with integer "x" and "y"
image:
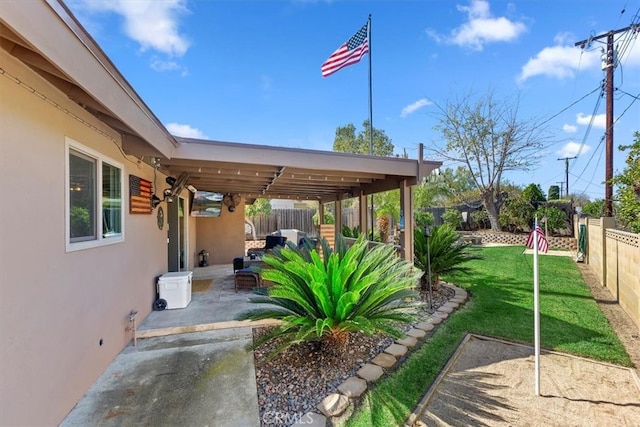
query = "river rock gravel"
{"x": 295, "y": 381}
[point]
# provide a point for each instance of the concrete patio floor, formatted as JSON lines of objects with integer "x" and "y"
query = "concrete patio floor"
{"x": 192, "y": 366}
{"x": 213, "y": 309}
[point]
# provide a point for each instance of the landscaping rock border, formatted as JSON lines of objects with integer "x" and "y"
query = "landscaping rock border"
{"x": 335, "y": 405}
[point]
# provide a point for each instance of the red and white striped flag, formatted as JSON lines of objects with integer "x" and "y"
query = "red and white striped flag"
{"x": 543, "y": 245}
{"x": 349, "y": 53}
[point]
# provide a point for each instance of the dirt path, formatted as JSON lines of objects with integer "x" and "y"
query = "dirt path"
{"x": 627, "y": 331}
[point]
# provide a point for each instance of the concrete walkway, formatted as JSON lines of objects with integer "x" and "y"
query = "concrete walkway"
{"x": 196, "y": 379}
{"x": 192, "y": 367}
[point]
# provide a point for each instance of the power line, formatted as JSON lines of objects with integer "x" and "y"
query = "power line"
{"x": 609, "y": 59}
{"x": 566, "y": 171}
{"x": 569, "y": 106}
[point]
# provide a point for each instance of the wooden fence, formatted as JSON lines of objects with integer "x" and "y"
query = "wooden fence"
{"x": 299, "y": 219}
{"x": 278, "y": 219}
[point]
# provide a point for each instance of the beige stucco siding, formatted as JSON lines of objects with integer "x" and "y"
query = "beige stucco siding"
{"x": 223, "y": 236}
{"x": 56, "y": 306}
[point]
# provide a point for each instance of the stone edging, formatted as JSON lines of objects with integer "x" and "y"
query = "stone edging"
{"x": 335, "y": 404}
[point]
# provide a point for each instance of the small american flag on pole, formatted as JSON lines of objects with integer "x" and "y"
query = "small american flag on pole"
{"x": 349, "y": 53}
{"x": 543, "y": 245}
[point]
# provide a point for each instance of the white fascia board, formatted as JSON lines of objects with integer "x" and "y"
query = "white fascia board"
{"x": 192, "y": 149}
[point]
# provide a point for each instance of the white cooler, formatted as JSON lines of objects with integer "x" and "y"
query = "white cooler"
{"x": 175, "y": 288}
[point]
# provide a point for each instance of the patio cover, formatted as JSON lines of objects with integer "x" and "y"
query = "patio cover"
{"x": 50, "y": 40}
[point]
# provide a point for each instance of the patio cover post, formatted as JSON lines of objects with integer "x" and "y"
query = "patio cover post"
{"x": 338, "y": 213}
{"x": 363, "y": 213}
{"x": 320, "y": 214}
{"x": 406, "y": 220}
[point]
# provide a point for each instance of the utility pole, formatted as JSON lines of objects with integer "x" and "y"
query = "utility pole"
{"x": 560, "y": 182}
{"x": 566, "y": 173}
{"x": 609, "y": 63}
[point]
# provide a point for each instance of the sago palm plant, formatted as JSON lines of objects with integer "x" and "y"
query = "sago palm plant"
{"x": 446, "y": 250}
{"x": 326, "y": 298}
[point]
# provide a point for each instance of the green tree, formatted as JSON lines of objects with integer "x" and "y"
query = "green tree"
{"x": 533, "y": 193}
{"x": 258, "y": 207}
{"x": 554, "y": 192}
{"x": 447, "y": 187}
{"x": 346, "y": 140}
{"x": 628, "y": 187}
{"x": 327, "y": 298}
{"x": 593, "y": 209}
{"x": 487, "y": 136}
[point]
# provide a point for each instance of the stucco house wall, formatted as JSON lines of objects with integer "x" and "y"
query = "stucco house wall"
{"x": 57, "y": 307}
{"x": 223, "y": 236}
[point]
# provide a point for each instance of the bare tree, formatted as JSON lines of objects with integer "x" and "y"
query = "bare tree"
{"x": 487, "y": 136}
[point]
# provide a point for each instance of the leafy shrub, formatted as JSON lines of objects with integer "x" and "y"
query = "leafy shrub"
{"x": 452, "y": 217}
{"x": 628, "y": 182}
{"x": 328, "y": 218}
{"x": 446, "y": 250}
{"x": 516, "y": 214}
{"x": 593, "y": 209}
{"x": 555, "y": 218}
{"x": 480, "y": 218}
{"x": 353, "y": 233}
{"x": 326, "y": 298}
{"x": 423, "y": 218}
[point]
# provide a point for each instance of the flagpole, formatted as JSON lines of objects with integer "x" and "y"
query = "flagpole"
{"x": 370, "y": 113}
{"x": 536, "y": 309}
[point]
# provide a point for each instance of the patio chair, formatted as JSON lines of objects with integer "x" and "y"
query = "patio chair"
{"x": 238, "y": 264}
{"x": 270, "y": 243}
{"x": 246, "y": 279}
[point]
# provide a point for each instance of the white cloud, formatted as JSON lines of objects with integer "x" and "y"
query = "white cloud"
{"x": 599, "y": 120}
{"x": 573, "y": 149}
{"x": 558, "y": 61}
{"x": 185, "y": 131}
{"x": 153, "y": 24}
{"x": 563, "y": 60}
{"x": 481, "y": 28}
{"x": 569, "y": 128}
{"x": 411, "y": 108}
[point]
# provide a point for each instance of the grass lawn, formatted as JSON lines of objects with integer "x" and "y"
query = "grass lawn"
{"x": 500, "y": 305}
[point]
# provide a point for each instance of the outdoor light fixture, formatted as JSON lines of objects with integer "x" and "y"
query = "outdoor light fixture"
{"x": 155, "y": 201}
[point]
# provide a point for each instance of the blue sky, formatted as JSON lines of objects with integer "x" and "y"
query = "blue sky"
{"x": 249, "y": 71}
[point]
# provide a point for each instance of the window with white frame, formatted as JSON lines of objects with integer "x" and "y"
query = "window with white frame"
{"x": 94, "y": 198}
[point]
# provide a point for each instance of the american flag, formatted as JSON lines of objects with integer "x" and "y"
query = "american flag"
{"x": 139, "y": 195}
{"x": 543, "y": 245}
{"x": 349, "y": 53}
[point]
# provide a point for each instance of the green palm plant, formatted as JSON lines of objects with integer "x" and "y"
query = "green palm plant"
{"x": 351, "y": 232}
{"x": 327, "y": 298}
{"x": 446, "y": 250}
